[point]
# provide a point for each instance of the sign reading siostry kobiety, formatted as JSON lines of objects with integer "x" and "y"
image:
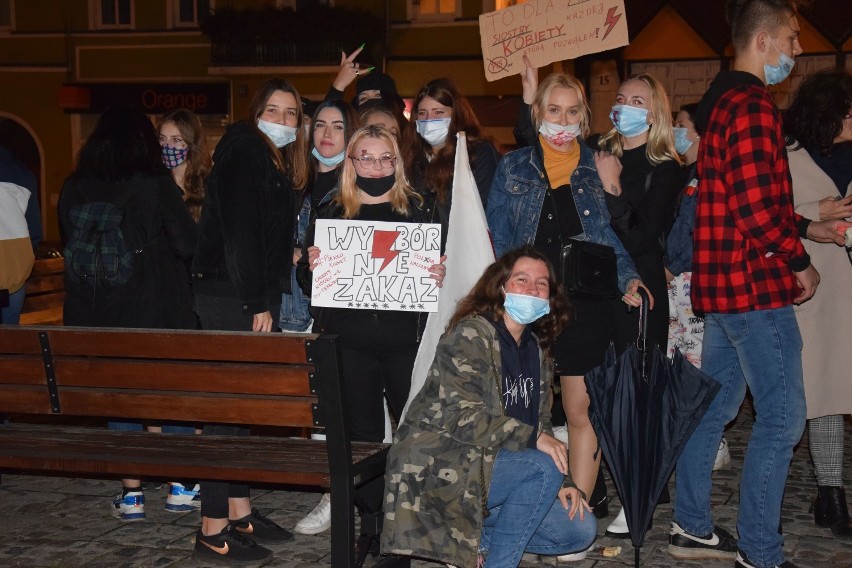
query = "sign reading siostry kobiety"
{"x": 548, "y": 31}
{"x": 372, "y": 265}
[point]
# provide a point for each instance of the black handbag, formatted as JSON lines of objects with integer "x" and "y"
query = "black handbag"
{"x": 589, "y": 270}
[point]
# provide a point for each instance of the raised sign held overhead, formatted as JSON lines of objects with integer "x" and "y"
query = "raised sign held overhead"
{"x": 548, "y": 31}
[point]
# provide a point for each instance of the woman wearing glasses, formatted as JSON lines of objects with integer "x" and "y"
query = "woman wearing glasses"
{"x": 378, "y": 347}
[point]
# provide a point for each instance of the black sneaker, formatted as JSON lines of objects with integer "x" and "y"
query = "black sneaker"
{"x": 259, "y": 527}
{"x": 229, "y": 547}
{"x": 743, "y": 562}
{"x": 719, "y": 544}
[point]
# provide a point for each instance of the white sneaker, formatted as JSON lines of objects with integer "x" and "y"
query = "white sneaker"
{"x": 181, "y": 499}
{"x": 574, "y": 556}
{"x": 723, "y": 455}
{"x": 618, "y": 527}
{"x": 318, "y": 520}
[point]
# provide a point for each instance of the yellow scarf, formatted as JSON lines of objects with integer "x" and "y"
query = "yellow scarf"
{"x": 560, "y": 165}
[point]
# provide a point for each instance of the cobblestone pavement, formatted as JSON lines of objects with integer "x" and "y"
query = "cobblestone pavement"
{"x": 65, "y": 523}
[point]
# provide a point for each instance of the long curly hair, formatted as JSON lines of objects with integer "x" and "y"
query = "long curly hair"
{"x": 198, "y": 161}
{"x": 815, "y": 117}
{"x": 486, "y": 298}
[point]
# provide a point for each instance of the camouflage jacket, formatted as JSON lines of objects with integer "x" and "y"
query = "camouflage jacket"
{"x": 439, "y": 467}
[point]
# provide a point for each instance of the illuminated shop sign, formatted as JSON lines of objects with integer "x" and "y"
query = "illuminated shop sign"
{"x": 152, "y": 98}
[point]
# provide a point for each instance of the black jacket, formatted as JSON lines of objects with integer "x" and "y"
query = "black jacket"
{"x": 245, "y": 239}
{"x": 157, "y": 224}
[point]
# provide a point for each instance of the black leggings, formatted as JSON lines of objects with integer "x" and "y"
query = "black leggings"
{"x": 225, "y": 313}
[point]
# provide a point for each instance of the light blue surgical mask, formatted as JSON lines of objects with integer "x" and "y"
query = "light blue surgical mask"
{"x": 328, "y": 162}
{"x": 525, "y": 309}
{"x": 630, "y": 121}
{"x": 279, "y": 134}
{"x": 777, "y": 73}
{"x": 682, "y": 143}
{"x": 434, "y": 131}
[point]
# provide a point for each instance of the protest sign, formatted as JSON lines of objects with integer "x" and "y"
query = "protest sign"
{"x": 372, "y": 265}
{"x": 548, "y": 31}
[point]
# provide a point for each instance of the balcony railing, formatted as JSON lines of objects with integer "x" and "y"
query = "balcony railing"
{"x": 322, "y": 52}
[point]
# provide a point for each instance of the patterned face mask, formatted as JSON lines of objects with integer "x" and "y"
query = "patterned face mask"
{"x": 173, "y": 157}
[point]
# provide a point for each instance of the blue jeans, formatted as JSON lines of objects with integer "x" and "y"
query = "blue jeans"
{"x": 10, "y": 315}
{"x": 294, "y": 315}
{"x": 761, "y": 350}
{"x": 525, "y": 514}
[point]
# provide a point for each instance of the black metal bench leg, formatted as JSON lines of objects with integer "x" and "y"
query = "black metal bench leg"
{"x": 342, "y": 524}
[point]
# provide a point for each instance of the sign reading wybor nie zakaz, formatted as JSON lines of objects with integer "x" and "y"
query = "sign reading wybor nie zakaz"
{"x": 376, "y": 265}
{"x": 548, "y": 31}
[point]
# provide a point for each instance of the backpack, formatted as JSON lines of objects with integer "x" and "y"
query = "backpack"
{"x": 97, "y": 253}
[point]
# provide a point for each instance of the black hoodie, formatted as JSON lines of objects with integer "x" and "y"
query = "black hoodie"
{"x": 724, "y": 82}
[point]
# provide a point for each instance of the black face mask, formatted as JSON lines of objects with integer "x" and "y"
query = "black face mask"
{"x": 375, "y": 187}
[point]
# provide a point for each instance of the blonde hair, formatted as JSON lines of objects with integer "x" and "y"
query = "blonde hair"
{"x": 542, "y": 95}
{"x": 349, "y": 196}
{"x": 660, "y": 145}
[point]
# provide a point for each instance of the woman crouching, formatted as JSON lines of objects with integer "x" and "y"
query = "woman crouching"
{"x": 475, "y": 473}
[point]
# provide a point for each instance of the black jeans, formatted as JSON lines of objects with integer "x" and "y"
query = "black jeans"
{"x": 222, "y": 312}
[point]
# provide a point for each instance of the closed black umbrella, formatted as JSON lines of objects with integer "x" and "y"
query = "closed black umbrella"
{"x": 644, "y": 408}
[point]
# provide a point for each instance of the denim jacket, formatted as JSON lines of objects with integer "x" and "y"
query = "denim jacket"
{"x": 517, "y": 195}
{"x": 294, "y": 314}
{"x": 678, "y": 256}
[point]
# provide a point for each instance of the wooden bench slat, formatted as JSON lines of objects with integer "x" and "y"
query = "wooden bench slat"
{"x": 17, "y": 340}
{"x": 22, "y": 370}
{"x": 50, "y": 316}
{"x": 201, "y": 407}
{"x": 182, "y": 376}
{"x": 181, "y": 345}
{"x": 45, "y": 266}
{"x": 239, "y": 458}
{"x": 24, "y": 399}
{"x": 46, "y": 283}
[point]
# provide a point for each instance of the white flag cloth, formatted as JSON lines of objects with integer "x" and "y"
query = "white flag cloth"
{"x": 469, "y": 253}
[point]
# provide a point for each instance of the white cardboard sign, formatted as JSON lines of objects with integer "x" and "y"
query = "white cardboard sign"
{"x": 376, "y": 265}
{"x": 548, "y": 31}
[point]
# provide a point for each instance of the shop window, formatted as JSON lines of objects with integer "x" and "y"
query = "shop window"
{"x": 188, "y": 13}
{"x": 490, "y": 5}
{"x": 111, "y": 14}
{"x": 6, "y": 19}
{"x": 434, "y": 9}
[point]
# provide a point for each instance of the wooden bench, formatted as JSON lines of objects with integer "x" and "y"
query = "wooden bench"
{"x": 45, "y": 293}
{"x": 241, "y": 378}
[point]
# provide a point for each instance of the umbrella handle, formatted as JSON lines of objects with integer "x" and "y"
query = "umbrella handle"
{"x": 642, "y": 339}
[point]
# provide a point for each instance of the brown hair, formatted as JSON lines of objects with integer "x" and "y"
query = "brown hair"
{"x": 747, "y": 17}
{"x": 486, "y": 298}
{"x": 439, "y": 171}
{"x": 349, "y": 197}
{"x": 292, "y": 160}
{"x": 198, "y": 161}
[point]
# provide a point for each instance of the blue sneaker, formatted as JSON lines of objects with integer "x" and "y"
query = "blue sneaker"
{"x": 131, "y": 507}
{"x": 183, "y": 500}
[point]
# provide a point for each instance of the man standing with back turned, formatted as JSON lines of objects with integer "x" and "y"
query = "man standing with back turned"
{"x": 749, "y": 268}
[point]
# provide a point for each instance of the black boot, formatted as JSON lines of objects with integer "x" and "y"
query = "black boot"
{"x": 599, "y": 500}
{"x": 830, "y": 511}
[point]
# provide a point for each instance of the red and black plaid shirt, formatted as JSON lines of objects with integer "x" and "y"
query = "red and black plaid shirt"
{"x": 746, "y": 235}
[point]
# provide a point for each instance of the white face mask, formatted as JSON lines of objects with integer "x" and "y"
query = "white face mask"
{"x": 279, "y": 134}
{"x": 434, "y": 131}
{"x": 557, "y": 134}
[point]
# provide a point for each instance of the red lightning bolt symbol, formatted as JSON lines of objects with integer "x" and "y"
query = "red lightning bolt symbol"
{"x": 382, "y": 243}
{"x": 611, "y": 19}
